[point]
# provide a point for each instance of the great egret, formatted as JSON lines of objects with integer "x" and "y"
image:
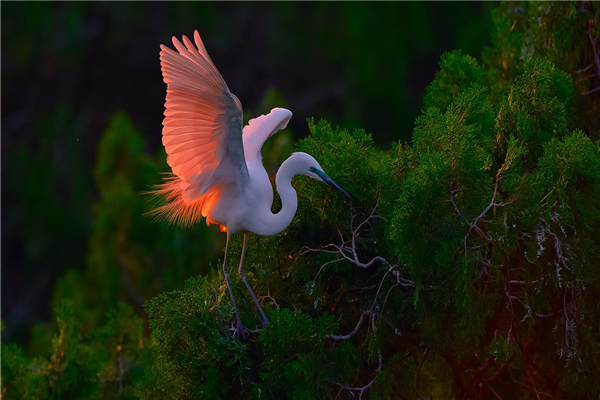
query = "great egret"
{"x": 217, "y": 166}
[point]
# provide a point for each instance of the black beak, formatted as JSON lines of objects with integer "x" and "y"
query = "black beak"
{"x": 331, "y": 182}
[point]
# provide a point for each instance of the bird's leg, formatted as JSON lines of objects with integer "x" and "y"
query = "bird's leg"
{"x": 264, "y": 318}
{"x": 241, "y": 328}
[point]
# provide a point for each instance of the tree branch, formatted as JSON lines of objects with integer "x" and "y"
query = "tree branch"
{"x": 474, "y": 224}
{"x": 347, "y": 248}
{"x": 354, "y": 331}
{"x": 459, "y": 376}
{"x": 366, "y": 387}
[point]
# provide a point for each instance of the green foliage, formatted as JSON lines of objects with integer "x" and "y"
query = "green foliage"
{"x": 564, "y": 33}
{"x": 17, "y": 380}
{"x": 465, "y": 265}
{"x": 457, "y": 72}
{"x": 123, "y": 238}
{"x": 452, "y": 159}
{"x": 194, "y": 351}
{"x": 196, "y": 355}
{"x": 77, "y": 367}
{"x": 295, "y": 349}
{"x": 346, "y": 155}
{"x": 537, "y": 106}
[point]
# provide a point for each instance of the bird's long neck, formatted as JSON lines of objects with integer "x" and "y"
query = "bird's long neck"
{"x": 283, "y": 181}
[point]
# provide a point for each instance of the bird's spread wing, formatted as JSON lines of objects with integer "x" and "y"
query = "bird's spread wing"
{"x": 202, "y": 133}
{"x": 261, "y": 128}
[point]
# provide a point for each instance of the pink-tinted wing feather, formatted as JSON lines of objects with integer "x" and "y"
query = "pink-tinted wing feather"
{"x": 202, "y": 132}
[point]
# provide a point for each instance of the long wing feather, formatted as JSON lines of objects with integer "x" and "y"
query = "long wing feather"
{"x": 202, "y": 134}
{"x": 261, "y": 128}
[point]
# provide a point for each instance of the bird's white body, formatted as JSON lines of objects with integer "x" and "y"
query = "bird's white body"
{"x": 217, "y": 166}
{"x": 249, "y": 210}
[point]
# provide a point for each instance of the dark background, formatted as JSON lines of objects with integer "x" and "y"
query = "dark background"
{"x": 67, "y": 67}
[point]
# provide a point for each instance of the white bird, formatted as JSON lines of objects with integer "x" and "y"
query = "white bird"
{"x": 217, "y": 165}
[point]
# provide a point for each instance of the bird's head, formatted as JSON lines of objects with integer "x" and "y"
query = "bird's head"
{"x": 307, "y": 165}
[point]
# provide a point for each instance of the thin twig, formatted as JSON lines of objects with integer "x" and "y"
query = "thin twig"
{"x": 379, "y": 288}
{"x": 491, "y": 389}
{"x": 596, "y": 57}
{"x": 399, "y": 333}
{"x": 591, "y": 91}
{"x": 354, "y": 331}
{"x": 347, "y": 248}
{"x": 474, "y": 225}
{"x": 269, "y": 297}
{"x": 366, "y": 387}
{"x": 121, "y": 369}
{"x": 416, "y": 381}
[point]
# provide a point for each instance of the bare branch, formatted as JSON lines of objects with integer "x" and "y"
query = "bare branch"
{"x": 591, "y": 91}
{"x": 459, "y": 375}
{"x": 379, "y": 288}
{"x": 121, "y": 369}
{"x": 120, "y": 365}
{"x": 354, "y": 331}
{"x": 134, "y": 295}
{"x": 546, "y": 315}
{"x": 387, "y": 295}
{"x": 235, "y": 330}
{"x": 326, "y": 264}
{"x": 452, "y": 191}
{"x": 416, "y": 381}
{"x": 474, "y": 224}
{"x": 579, "y": 71}
{"x": 496, "y": 395}
{"x": 366, "y": 387}
{"x": 522, "y": 283}
{"x": 596, "y": 61}
{"x": 347, "y": 248}
{"x": 399, "y": 333}
{"x": 269, "y": 297}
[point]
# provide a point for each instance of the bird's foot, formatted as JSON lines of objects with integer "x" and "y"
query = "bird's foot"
{"x": 241, "y": 331}
{"x": 265, "y": 321}
{"x": 262, "y": 316}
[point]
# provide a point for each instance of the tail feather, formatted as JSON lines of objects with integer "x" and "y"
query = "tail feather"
{"x": 174, "y": 208}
